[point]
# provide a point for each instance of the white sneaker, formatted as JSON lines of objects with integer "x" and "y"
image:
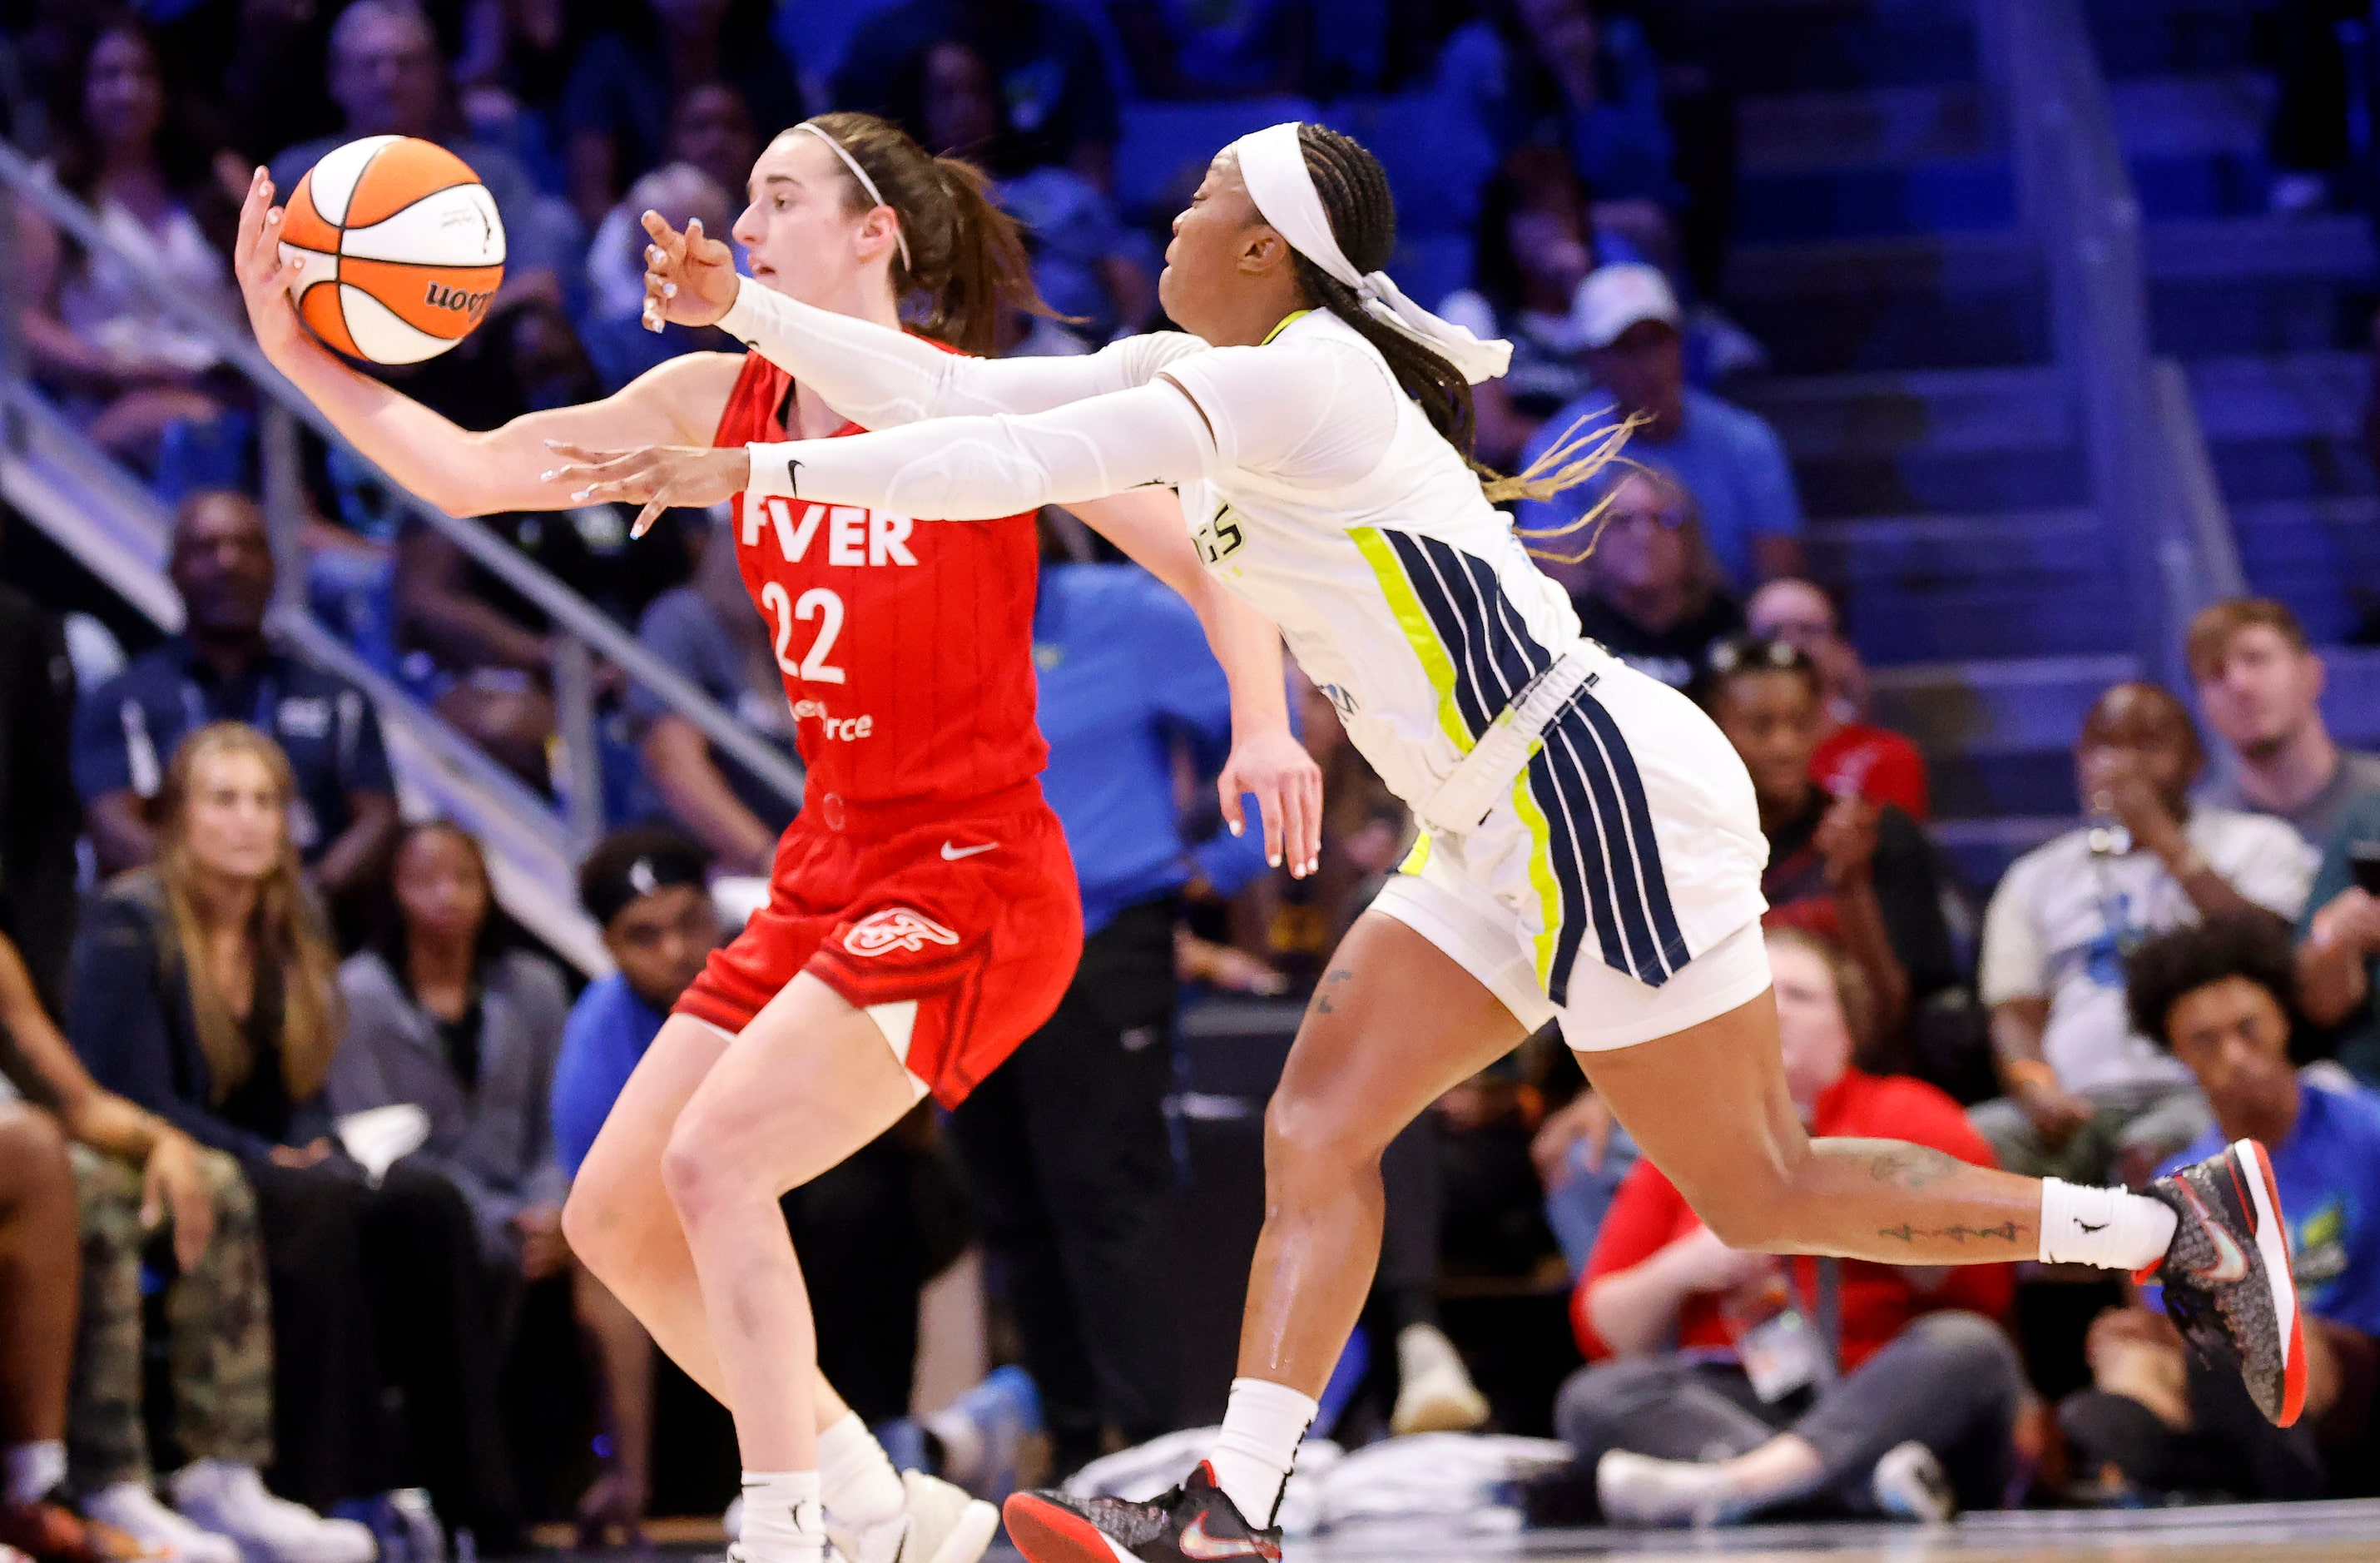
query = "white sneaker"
{"x": 1909, "y": 1484}
{"x": 131, "y": 1508}
{"x": 230, "y": 1500}
{"x": 938, "y": 1524}
{"x": 1639, "y": 1490}
{"x": 1434, "y": 1391}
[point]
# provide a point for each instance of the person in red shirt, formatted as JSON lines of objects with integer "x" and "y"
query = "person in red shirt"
{"x": 1853, "y": 754}
{"x": 1691, "y": 1355}
{"x": 923, "y": 915}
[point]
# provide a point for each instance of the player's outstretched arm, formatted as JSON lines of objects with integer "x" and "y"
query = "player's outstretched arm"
{"x": 459, "y": 471}
{"x": 1265, "y": 759}
{"x": 951, "y": 468}
{"x": 872, "y": 374}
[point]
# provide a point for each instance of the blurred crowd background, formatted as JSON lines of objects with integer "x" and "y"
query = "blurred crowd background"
{"x": 202, "y": 1011}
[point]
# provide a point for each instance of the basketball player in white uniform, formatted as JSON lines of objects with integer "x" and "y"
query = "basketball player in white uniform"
{"x": 1592, "y": 850}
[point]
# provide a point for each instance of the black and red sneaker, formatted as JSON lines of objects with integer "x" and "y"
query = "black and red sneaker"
{"x": 2227, "y": 1275}
{"x": 1194, "y": 1523}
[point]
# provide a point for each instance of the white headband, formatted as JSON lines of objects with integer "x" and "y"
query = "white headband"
{"x": 1272, "y": 165}
{"x": 866, "y": 184}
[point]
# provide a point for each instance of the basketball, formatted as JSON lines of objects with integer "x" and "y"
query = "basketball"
{"x": 400, "y": 246}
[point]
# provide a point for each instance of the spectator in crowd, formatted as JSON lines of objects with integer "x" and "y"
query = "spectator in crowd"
{"x": 126, "y": 365}
{"x": 1089, "y": 266}
{"x": 1712, "y": 1395}
{"x": 221, "y": 668}
{"x": 40, "y": 1271}
{"x": 447, "y": 1010}
{"x": 1562, "y": 72}
{"x": 1640, "y": 571}
{"x": 1045, "y": 57}
{"x": 2087, "y": 1097}
{"x": 206, "y": 991}
{"x": 1859, "y": 873}
{"x": 2159, "y": 1419}
{"x": 1533, "y": 243}
{"x": 1178, "y": 49}
{"x": 1728, "y": 458}
{"x": 41, "y": 814}
{"x": 712, "y": 128}
{"x": 389, "y": 80}
{"x": 645, "y": 887}
{"x": 1065, "y": 1145}
{"x": 1853, "y": 755}
{"x": 2260, "y": 683}
{"x": 706, "y": 630}
{"x": 612, "y": 329}
{"x": 136, "y": 1176}
{"x": 2338, "y": 939}
{"x": 615, "y": 110}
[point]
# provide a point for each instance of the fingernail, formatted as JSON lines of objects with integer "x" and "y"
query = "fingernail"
{"x": 1274, "y": 860}
{"x": 581, "y": 493}
{"x": 1238, "y": 829}
{"x": 669, "y": 290}
{"x": 552, "y": 444}
{"x": 545, "y": 476}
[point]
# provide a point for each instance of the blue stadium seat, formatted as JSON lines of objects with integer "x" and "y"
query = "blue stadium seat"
{"x": 1435, "y": 163}
{"x": 1165, "y": 147}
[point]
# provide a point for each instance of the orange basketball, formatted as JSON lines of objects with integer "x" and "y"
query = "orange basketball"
{"x": 401, "y": 248}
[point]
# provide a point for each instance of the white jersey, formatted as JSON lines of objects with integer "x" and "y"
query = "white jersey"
{"x": 1316, "y": 490}
{"x": 1404, "y": 594}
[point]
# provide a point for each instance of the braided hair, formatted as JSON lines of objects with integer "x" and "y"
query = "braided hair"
{"x": 1363, "y": 214}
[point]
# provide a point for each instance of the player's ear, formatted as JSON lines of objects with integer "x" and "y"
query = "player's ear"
{"x": 1262, "y": 250}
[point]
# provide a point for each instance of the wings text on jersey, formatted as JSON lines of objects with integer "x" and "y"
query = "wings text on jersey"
{"x": 850, "y": 534}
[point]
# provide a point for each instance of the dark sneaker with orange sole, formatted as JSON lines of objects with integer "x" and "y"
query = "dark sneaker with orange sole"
{"x": 2227, "y": 1275}
{"x": 1194, "y": 1523}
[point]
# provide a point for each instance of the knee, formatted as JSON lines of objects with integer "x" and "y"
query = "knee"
{"x": 1751, "y": 1211}
{"x": 698, "y": 1177}
{"x": 1308, "y": 1143}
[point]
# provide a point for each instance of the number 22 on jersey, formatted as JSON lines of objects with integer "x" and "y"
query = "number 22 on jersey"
{"x": 853, "y": 537}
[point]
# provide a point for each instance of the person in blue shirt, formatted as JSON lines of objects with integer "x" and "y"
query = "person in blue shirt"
{"x": 221, "y": 668}
{"x": 1066, "y": 1144}
{"x": 1632, "y": 330}
{"x": 2219, "y": 995}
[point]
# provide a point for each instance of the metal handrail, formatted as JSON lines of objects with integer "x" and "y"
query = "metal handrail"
{"x": 567, "y": 610}
{"x": 2150, "y": 477}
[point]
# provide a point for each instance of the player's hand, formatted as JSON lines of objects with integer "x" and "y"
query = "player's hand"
{"x": 264, "y": 277}
{"x": 2351, "y": 917}
{"x": 689, "y": 278}
{"x": 1846, "y": 840}
{"x": 2056, "y": 1115}
{"x": 173, "y": 1184}
{"x": 1288, "y": 786}
{"x": 657, "y": 477}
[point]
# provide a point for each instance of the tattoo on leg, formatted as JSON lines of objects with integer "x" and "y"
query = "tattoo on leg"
{"x": 1322, "y": 995}
{"x": 1912, "y": 1167}
{"x": 2006, "y": 1232}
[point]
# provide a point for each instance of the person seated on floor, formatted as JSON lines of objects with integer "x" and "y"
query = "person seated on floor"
{"x": 2087, "y": 1097}
{"x": 2159, "y": 1419}
{"x": 1853, "y": 755}
{"x": 137, "y": 1179}
{"x": 1711, "y": 1394}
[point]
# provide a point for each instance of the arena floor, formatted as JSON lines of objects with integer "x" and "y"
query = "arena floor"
{"x": 2317, "y": 1532}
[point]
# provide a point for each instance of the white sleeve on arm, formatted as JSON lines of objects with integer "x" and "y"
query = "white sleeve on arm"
{"x": 878, "y": 377}
{"x": 1319, "y": 412}
{"x": 979, "y": 468}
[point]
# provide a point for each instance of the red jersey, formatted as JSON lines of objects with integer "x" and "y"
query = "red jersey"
{"x": 906, "y": 645}
{"x": 1876, "y": 1301}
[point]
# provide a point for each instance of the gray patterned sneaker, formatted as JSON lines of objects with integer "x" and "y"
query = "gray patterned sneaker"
{"x": 2227, "y": 1275}
{"x": 1194, "y": 1523}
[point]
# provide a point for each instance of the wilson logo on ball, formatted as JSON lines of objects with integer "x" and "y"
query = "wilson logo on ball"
{"x": 400, "y": 248}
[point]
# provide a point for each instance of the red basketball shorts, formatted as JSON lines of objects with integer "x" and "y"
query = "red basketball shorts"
{"x": 972, "y": 916}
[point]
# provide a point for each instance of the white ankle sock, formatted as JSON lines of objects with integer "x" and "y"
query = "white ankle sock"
{"x": 782, "y": 1523}
{"x": 2110, "y": 1228}
{"x": 1262, "y": 1427}
{"x": 855, "y": 1476}
{"x": 32, "y": 1471}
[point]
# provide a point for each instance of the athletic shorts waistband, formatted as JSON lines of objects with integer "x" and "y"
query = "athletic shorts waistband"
{"x": 831, "y": 811}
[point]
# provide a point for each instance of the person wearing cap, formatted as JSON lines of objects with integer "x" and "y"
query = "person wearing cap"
{"x": 1632, "y": 336}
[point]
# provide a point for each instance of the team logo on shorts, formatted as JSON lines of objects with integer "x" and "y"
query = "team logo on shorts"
{"x": 895, "y": 927}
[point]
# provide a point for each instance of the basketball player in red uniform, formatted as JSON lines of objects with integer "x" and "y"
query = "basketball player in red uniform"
{"x": 923, "y": 916}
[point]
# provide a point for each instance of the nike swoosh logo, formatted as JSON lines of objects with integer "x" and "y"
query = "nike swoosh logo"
{"x": 2089, "y": 1228}
{"x": 952, "y": 853}
{"x": 2230, "y": 1263}
{"x": 794, "y": 475}
{"x": 1195, "y": 1543}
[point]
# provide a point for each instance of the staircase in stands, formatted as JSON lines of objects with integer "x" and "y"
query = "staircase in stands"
{"x": 1938, "y": 453}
